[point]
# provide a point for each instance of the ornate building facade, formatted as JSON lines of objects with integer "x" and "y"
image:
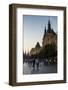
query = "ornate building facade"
{"x": 36, "y": 49}
{"x": 49, "y": 37}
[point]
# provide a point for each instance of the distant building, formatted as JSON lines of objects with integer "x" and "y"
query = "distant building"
{"x": 49, "y": 37}
{"x": 36, "y": 49}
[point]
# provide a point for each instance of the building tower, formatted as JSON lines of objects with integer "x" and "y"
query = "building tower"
{"x": 49, "y": 27}
{"x": 44, "y": 33}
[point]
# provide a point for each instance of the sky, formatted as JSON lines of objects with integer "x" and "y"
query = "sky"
{"x": 34, "y": 27}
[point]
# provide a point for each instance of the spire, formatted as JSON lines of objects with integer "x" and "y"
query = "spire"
{"x": 49, "y": 26}
{"x": 45, "y": 31}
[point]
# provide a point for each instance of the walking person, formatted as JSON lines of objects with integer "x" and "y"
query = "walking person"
{"x": 37, "y": 63}
{"x": 33, "y": 63}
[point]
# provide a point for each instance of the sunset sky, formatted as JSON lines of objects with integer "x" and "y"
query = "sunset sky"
{"x": 34, "y": 29}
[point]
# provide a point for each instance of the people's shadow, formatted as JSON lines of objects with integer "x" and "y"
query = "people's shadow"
{"x": 34, "y": 71}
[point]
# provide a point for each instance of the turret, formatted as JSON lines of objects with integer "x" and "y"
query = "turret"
{"x": 44, "y": 33}
{"x": 49, "y": 27}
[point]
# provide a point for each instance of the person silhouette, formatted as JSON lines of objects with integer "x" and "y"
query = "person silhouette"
{"x": 37, "y": 63}
{"x": 33, "y": 63}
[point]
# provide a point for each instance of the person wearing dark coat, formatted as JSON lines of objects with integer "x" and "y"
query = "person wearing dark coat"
{"x": 34, "y": 64}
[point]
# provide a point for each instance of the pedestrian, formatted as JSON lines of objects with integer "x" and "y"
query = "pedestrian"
{"x": 33, "y": 63}
{"x": 37, "y": 63}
